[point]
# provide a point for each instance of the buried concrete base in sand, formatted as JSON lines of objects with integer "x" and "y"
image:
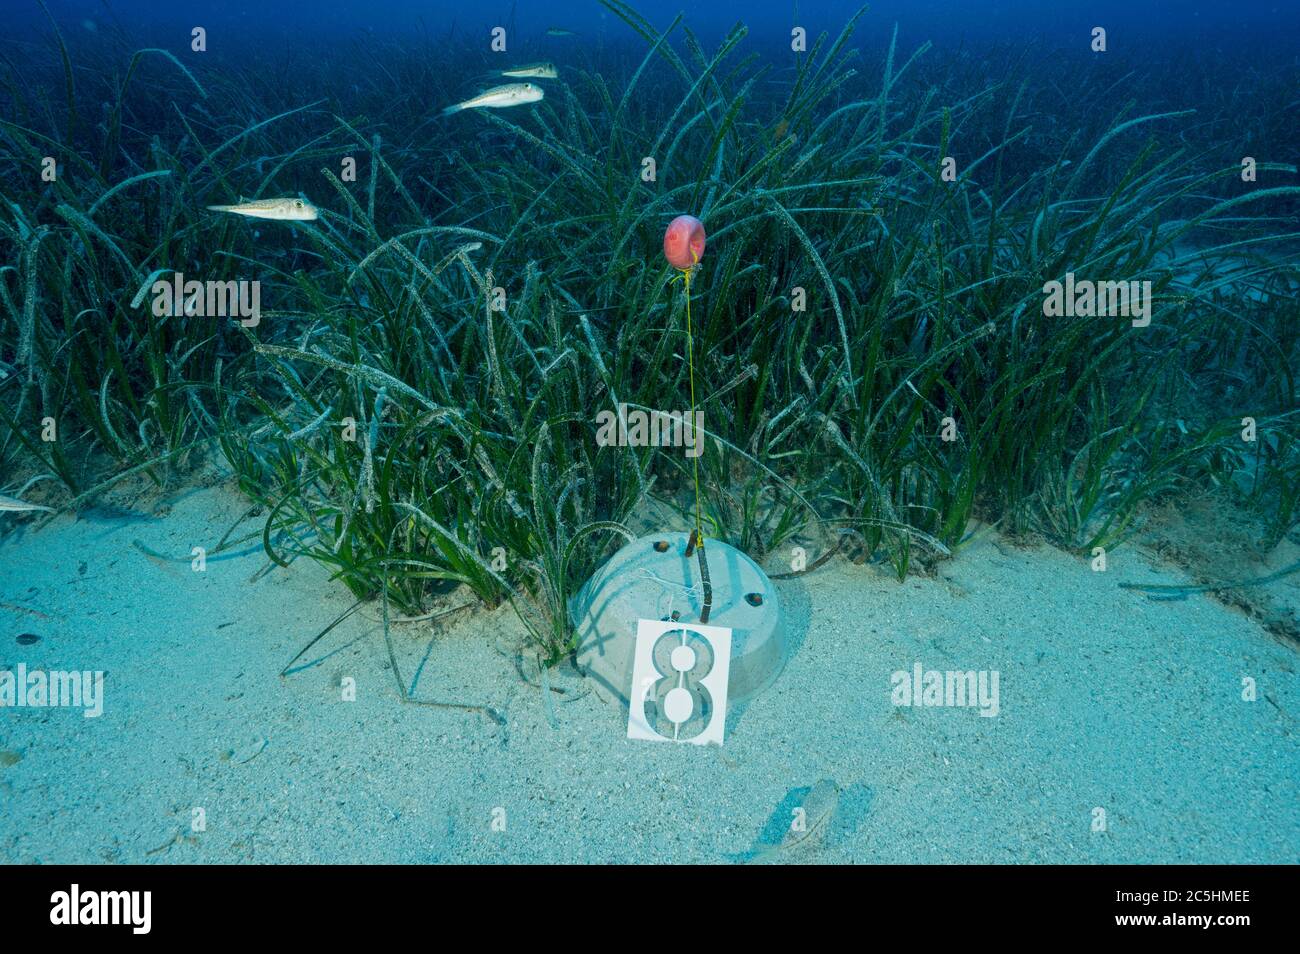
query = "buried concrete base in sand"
{"x": 652, "y": 578}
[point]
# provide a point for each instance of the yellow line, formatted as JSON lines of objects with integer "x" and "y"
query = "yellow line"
{"x": 690, "y": 358}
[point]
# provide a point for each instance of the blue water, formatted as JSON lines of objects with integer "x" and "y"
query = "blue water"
{"x": 1138, "y": 27}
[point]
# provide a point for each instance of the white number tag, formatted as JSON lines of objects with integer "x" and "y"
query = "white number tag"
{"x": 679, "y": 682}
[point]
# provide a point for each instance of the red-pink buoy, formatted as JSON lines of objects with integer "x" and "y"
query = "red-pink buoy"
{"x": 684, "y": 241}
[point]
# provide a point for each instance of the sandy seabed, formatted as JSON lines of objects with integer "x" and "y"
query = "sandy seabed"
{"x": 1107, "y": 700}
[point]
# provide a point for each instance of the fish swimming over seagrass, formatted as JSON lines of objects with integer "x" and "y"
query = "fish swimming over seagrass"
{"x": 532, "y": 71}
{"x": 500, "y": 97}
{"x": 12, "y": 503}
{"x": 808, "y": 825}
{"x": 280, "y": 210}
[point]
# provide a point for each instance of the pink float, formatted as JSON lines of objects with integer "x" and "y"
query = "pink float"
{"x": 684, "y": 242}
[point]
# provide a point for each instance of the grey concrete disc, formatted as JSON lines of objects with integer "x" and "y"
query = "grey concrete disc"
{"x": 651, "y": 578}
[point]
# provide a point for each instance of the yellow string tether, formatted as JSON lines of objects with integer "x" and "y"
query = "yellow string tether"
{"x": 690, "y": 361}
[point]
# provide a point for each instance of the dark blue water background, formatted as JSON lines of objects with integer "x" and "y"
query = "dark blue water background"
{"x": 1133, "y": 26}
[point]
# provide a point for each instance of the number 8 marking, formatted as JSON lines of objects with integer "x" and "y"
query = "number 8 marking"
{"x": 677, "y": 700}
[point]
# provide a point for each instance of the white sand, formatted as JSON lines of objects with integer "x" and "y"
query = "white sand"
{"x": 1108, "y": 699}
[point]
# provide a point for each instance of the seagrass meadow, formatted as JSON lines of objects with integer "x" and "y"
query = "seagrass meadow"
{"x": 920, "y": 297}
{"x": 880, "y": 378}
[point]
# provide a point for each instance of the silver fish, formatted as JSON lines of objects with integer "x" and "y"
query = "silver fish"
{"x": 556, "y": 31}
{"x": 532, "y": 71}
{"x": 280, "y": 210}
{"x": 16, "y": 505}
{"x": 500, "y": 97}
